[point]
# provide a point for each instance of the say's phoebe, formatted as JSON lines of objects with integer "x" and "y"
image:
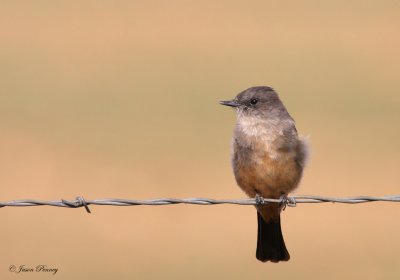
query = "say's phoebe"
{"x": 268, "y": 159}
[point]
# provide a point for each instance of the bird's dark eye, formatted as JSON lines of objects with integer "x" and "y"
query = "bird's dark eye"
{"x": 253, "y": 101}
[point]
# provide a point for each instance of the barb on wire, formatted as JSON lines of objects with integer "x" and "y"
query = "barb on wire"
{"x": 290, "y": 201}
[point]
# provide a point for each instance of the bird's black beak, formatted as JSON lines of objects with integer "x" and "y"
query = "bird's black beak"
{"x": 231, "y": 103}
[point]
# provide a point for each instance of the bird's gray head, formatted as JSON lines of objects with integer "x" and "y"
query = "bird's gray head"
{"x": 261, "y": 102}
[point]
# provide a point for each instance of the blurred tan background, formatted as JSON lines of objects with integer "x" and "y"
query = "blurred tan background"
{"x": 120, "y": 99}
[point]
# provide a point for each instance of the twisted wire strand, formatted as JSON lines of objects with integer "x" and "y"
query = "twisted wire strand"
{"x": 286, "y": 201}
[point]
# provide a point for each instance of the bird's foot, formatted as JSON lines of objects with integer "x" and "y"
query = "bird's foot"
{"x": 286, "y": 201}
{"x": 259, "y": 199}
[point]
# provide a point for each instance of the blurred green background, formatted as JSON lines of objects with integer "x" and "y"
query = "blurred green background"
{"x": 120, "y": 99}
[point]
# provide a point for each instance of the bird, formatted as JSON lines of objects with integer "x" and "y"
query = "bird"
{"x": 268, "y": 157}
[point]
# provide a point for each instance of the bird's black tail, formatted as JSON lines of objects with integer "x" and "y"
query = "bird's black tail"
{"x": 270, "y": 243}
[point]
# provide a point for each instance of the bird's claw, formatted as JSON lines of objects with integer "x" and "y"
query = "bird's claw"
{"x": 286, "y": 201}
{"x": 259, "y": 200}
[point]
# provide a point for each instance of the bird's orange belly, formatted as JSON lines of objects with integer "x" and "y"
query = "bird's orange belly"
{"x": 258, "y": 173}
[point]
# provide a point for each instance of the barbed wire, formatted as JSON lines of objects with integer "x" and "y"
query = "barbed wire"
{"x": 290, "y": 201}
